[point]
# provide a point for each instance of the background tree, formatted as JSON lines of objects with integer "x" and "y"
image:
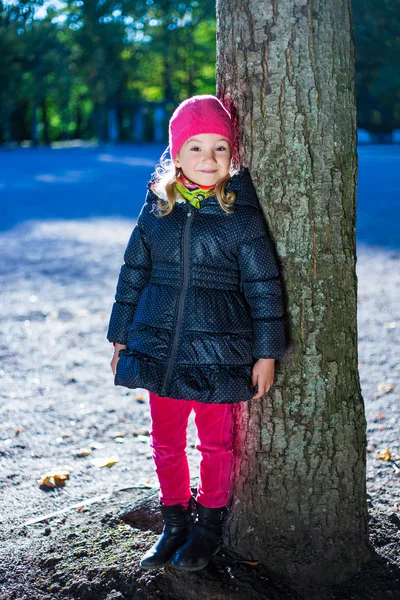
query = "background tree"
{"x": 45, "y": 62}
{"x": 287, "y": 70}
{"x": 13, "y": 20}
{"x": 106, "y": 55}
{"x": 377, "y": 34}
{"x": 184, "y": 36}
{"x": 99, "y": 38}
{"x": 82, "y": 60}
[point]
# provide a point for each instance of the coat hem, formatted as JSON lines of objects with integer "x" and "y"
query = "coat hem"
{"x": 209, "y": 384}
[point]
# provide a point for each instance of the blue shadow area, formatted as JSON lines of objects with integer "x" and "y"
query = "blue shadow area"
{"x": 110, "y": 181}
{"x": 74, "y": 183}
{"x": 378, "y": 196}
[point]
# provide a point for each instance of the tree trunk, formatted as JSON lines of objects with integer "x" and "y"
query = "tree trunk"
{"x": 7, "y": 121}
{"x": 35, "y": 123}
{"x": 46, "y": 126}
{"x": 98, "y": 118}
{"x": 78, "y": 119}
{"x": 35, "y": 103}
{"x": 286, "y": 70}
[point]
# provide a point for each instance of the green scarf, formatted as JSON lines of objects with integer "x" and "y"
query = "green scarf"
{"x": 192, "y": 192}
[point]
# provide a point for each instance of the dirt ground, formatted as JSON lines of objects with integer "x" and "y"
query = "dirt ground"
{"x": 60, "y": 411}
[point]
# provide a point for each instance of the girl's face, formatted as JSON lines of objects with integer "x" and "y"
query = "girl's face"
{"x": 204, "y": 158}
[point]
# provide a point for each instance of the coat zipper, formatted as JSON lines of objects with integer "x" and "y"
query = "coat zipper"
{"x": 181, "y": 301}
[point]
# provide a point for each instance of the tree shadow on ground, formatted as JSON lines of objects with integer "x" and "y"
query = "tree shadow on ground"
{"x": 91, "y": 554}
{"x": 231, "y": 576}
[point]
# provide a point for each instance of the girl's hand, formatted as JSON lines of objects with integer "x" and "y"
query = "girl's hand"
{"x": 263, "y": 375}
{"x": 115, "y": 358}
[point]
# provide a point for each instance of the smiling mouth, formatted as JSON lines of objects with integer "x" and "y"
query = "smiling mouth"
{"x": 205, "y": 171}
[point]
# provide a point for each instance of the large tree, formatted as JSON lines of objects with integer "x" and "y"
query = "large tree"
{"x": 286, "y": 69}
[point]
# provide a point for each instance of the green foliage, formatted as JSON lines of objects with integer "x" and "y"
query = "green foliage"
{"x": 377, "y": 54}
{"x": 61, "y": 70}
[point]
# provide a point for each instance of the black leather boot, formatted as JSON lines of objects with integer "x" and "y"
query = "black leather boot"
{"x": 178, "y": 524}
{"x": 204, "y": 542}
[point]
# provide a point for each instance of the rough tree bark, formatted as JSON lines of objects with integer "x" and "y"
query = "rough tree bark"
{"x": 286, "y": 70}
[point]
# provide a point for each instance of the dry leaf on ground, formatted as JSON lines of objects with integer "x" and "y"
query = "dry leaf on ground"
{"x": 82, "y": 452}
{"x": 104, "y": 462}
{"x": 55, "y": 478}
{"x": 141, "y": 431}
{"x": 385, "y": 388}
{"x": 384, "y": 454}
{"x": 118, "y": 434}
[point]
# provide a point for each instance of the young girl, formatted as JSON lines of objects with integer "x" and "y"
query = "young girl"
{"x": 197, "y": 321}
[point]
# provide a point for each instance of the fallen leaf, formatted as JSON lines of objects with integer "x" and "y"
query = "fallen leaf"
{"x": 252, "y": 563}
{"x": 116, "y": 434}
{"x": 396, "y": 506}
{"x": 17, "y": 431}
{"x": 82, "y": 452}
{"x": 141, "y": 431}
{"x": 380, "y": 416}
{"x": 384, "y": 454}
{"x": 140, "y": 399}
{"x": 385, "y": 388}
{"x": 55, "y": 478}
{"x": 105, "y": 462}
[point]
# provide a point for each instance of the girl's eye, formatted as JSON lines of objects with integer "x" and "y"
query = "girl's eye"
{"x": 195, "y": 148}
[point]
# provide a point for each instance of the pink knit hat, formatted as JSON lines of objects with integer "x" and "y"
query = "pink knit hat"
{"x": 196, "y": 115}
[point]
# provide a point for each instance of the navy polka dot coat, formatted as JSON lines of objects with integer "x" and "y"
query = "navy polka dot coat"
{"x": 198, "y": 299}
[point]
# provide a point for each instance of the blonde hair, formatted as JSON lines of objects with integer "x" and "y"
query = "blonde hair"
{"x": 164, "y": 180}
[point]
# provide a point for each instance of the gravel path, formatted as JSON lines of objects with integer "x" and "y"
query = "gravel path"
{"x": 378, "y": 272}
{"x": 58, "y": 283}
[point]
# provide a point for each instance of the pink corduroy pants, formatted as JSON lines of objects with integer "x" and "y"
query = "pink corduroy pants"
{"x": 168, "y": 440}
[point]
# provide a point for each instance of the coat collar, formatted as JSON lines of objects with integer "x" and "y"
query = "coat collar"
{"x": 240, "y": 183}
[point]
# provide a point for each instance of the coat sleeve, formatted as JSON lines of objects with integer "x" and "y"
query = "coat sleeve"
{"x": 134, "y": 275}
{"x": 262, "y": 289}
